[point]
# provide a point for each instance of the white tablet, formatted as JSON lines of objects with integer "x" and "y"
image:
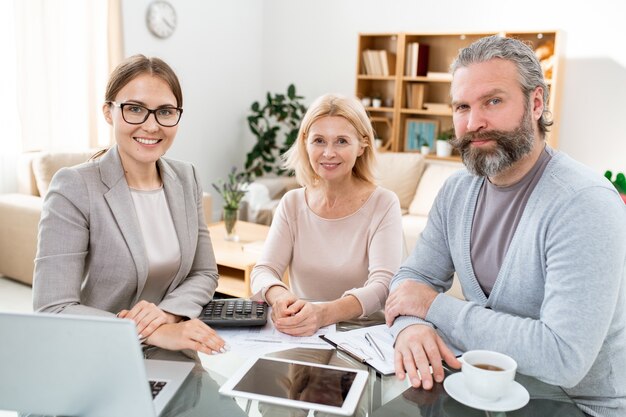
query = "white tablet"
{"x": 298, "y": 384}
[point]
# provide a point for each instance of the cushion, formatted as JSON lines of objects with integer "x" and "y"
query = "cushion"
{"x": 432, "y": 180}
{"x": 400, "y": 173}
{"x": 412, "y": 226}
{"x": 48, "y": 163}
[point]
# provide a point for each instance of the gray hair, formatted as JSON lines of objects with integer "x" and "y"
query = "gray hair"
{"x": 520, "y": 54}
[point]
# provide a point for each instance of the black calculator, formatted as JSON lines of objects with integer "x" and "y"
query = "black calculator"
{"x": 234, "y": 312}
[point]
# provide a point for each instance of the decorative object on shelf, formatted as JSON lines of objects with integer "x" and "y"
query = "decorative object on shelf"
{"x": 420, "y": 132}
{"x": 377, "y": 100}
{"x": 232, "y": 191}
{"x": 425, "y": 149}
{"x": 278, "y": 118}
{"x": 366, "y": 101}
{"x": 619, "y": 183}
{"x": 444, "y": 148}
{"x": 161, "y": 19}
{"x": 545, "y": 55}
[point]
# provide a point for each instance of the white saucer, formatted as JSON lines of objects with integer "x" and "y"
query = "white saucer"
{"x": 516, "y": 398}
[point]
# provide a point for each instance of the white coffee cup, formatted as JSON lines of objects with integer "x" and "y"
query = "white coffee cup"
{"x": 488, "y": 374}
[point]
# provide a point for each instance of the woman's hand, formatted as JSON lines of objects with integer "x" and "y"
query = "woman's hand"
{"x": 306, "y": 319}
{"x": 148, "y": 317}
{"x": 190, "y": 334}
{"x": 282, "y": 302}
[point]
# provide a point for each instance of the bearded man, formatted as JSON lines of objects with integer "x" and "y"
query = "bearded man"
{"x": 537, "y": 240}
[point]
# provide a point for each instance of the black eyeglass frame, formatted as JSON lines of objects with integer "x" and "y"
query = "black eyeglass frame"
{"x": 150, "y": 111}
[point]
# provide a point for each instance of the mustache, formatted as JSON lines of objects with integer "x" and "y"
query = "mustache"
{"x": 464, "y": 141}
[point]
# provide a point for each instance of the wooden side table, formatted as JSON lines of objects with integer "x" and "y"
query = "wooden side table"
{"x": 234, "y": 261}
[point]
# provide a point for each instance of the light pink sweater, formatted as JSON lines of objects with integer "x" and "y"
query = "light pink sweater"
{"x": 330, "y": 258}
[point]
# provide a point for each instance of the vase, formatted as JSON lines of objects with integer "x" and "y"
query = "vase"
{"x": 230, "y": 223}
{"x": 444, "y": 148}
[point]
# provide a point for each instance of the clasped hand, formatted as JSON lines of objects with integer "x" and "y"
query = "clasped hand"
{"x": 296, "y": 317}
{"x": 168, "y": 331}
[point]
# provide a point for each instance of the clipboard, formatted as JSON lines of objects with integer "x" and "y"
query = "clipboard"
{"x": 353, "y": 344}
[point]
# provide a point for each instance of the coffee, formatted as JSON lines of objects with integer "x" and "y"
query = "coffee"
{"x": 488, "y": 367}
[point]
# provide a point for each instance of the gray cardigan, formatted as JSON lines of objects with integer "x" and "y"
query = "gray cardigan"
{"x": 91, "y": 258}
{"x": 558, "y": 305}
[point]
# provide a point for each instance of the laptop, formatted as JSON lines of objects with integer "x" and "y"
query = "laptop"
{"x": 57, "y": 364}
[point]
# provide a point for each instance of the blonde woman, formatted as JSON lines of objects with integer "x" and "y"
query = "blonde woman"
{"x": 340, "y": 235}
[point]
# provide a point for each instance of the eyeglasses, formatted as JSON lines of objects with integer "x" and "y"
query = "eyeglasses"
{"x": 136, "y": 114}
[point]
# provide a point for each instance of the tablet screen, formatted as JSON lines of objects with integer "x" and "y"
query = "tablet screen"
{"x": 297, "y": 381}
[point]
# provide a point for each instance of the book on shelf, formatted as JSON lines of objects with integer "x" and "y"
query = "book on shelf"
{"x": 436, "y": 75}
{"x": 415, "y": 94}
{"x": 388, "y": 62}
{"x": 416, "y": 59}
{"x": 379, "y": 62}
{"x": 438, "y": 107}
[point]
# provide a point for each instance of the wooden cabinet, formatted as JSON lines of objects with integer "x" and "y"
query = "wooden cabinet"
{"x": 414, "y": 96}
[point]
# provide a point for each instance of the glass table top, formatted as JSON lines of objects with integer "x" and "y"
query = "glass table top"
{"x": 383, "y": 396}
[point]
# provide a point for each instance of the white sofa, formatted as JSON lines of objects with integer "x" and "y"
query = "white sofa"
{"x": 20, "y": 212}
{"x": 416, "y": 181}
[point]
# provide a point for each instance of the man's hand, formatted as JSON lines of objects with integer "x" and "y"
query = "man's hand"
{"x": 148, "y": 317}
{"x": 410, "y": 298}
{"x": 305, "y": 321}
{"x": 191, "y": 334}
{"x": 419, "y": 347}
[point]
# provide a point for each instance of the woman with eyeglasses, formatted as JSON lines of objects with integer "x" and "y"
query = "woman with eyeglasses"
{"x": 124, "y": 234}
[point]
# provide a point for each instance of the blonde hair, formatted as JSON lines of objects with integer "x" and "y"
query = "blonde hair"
{"x": 329, "y": 105}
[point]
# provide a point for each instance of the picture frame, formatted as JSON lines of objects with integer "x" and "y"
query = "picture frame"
{"x": 418, "y": 132}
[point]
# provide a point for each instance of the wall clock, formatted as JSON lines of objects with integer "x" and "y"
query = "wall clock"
{"x": 161, "y": 19}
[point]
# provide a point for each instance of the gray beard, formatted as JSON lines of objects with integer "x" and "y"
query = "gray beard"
{"x": 511, "y": 146}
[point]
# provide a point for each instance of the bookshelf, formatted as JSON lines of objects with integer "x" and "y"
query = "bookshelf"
{"x": 418, "y": 90}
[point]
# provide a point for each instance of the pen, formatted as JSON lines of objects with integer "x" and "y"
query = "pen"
{"x": 372, "y": 343}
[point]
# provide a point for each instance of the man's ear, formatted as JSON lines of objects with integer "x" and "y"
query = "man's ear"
{"x": 537, "y": 103}
{"x": 106, "y": 110}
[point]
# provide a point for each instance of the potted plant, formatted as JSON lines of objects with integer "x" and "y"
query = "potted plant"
{"x": 232, "y": 191}
{"x": 275, "y": 125}
{"x": 444, "y": 149}
{"x": 424, "y": 145}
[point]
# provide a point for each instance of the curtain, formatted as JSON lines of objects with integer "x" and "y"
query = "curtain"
{"x": 58, "y": 57}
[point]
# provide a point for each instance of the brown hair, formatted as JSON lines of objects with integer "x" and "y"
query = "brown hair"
{"x": 137, "y": 65}
{"x": 329, "y": 105}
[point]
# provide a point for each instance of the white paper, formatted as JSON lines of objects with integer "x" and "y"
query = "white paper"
{"x": 354, "y": 342}
{"x": 264, "y": 339}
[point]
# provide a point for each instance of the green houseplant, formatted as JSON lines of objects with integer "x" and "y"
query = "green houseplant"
{"x": 619, "y": 183}
{"x": 275, "y": 125}
{"x": 232, "y": 191}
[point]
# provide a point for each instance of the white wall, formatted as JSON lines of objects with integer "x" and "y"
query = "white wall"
{"x": 229, "y": 53}
{"x": 216, "y": 53}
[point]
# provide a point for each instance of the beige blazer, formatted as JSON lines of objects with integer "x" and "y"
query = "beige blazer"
{"x": 91, "y": 258}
